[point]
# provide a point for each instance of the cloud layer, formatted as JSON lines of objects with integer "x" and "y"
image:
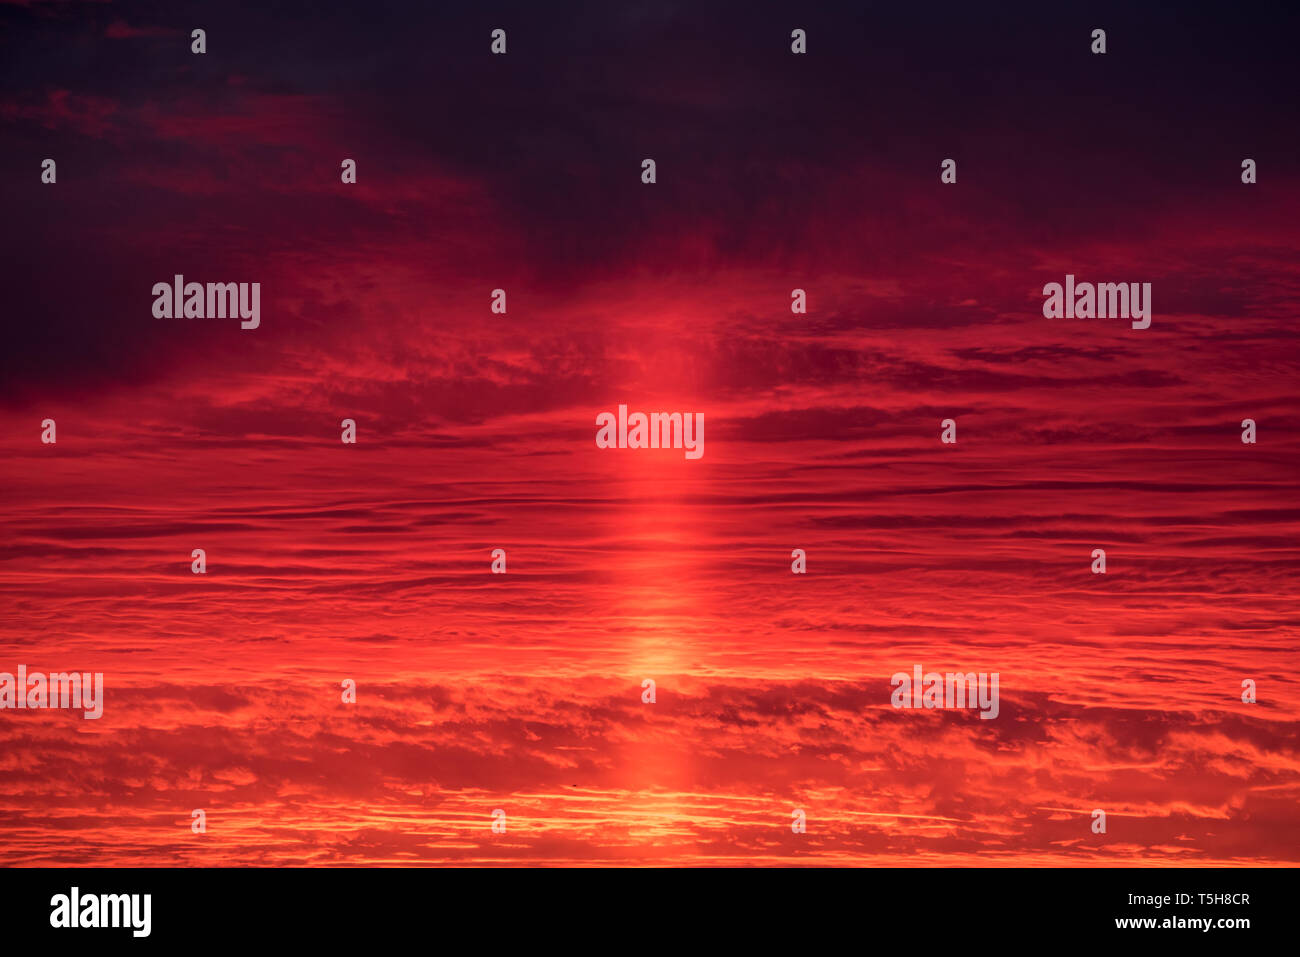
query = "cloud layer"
{"x": 476, "y": 431}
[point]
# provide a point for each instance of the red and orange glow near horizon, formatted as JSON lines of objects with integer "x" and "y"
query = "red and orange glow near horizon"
{"x": 476, "y": 431}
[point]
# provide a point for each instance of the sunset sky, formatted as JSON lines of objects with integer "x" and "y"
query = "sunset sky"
{"x": 476, "y": 431}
